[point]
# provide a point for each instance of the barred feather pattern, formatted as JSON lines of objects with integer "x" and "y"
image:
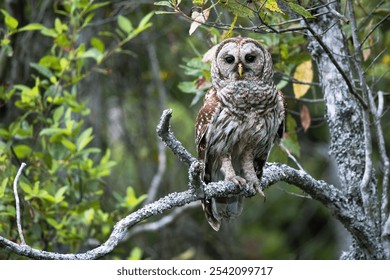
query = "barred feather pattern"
{"x": 237, "y": 124}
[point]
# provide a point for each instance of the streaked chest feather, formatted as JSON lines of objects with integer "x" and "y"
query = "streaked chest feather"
{"x": 231, "y": 134}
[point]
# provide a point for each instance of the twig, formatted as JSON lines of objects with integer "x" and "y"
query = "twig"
{"x": 372, "y": 30}
{"x": 161, "y": 223}
{"x": 375, "y": 60}
{"x": 335, "y": 13}
{"x": 336, "y": 64}
{"x": 291, "y": 157}
{"x": 164, "y": 132}
{"x": 307, "y": 100}
{"x": 369, "y": 16}
{"x": 157, "y": 178}
{"x": 294, "y": 194}
{"x": 17, "y": 204}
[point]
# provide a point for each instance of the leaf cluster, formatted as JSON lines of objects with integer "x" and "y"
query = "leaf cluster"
{"x": 63, "y": 184}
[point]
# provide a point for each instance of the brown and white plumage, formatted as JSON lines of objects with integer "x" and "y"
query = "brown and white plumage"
{"x": 242, "y": 116}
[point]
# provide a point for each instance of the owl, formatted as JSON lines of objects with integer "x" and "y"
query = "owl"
{"x": 242, "y": 116}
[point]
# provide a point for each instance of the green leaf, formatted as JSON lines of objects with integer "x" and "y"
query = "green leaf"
{"x": 163, "y": 3}
{"x": 42, "y": 70}
{"x": 26, "y": 188}
{"x": 145, "y": 20}
{"x": 54, "y": 223}
{"x": 63, "y": 41}
{"x": 97, "y": 6}
{"x": 59, "y": 196}
{"x": 11, "y": 22}
{"x": 92, "y": 53}
{"x": 58, "y": 113}
{"x": 106, "y": 158}
{"x": 31, "y": 27}
{"x": 22, "y": 151}
{"x": 237, "y": 8}
{"x": 89, "y": 215}
{"x": 97, "y": 44}
{"x": 136, "y": 254}
{"x": 69, "y": 145}
{"x": 84, "y": 139}
{"x": 58, "y": 25}
{"x": 2, "y": 186}
{"x": 299, "y": 10}
{"x": 131, "y": 200}
{"x": 49, "y": 32}
{"x": 52, "y": 131}
{"x": 188, "y": 87}
{"x": 50, "y": 61}
{"x": 290, "y": 140}
{"x": 125, "y": 24}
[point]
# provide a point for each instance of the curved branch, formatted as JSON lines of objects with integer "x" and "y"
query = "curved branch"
{"x": 327, "y": 194}
{"x": 272, "y": 174}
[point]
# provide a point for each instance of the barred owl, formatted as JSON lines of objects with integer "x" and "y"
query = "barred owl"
{"x": 242, "y": 116}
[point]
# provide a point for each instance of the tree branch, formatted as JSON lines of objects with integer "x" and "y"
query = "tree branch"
{"x": 164, "y": 131}
{"x": 327, "y": 194}
{"x": 17, "y": 204}
{"x": 335, "y": 63}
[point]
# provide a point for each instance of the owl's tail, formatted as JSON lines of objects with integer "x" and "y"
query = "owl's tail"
{"x": 221, "y": 208}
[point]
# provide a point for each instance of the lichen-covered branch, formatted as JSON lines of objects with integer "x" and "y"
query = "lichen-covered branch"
{"x": 327, "y": 194}
{"x": 350, "y": 145}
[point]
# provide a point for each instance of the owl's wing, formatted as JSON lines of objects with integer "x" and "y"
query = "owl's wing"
{"x": 203, "y": 120}
{"x": 259, "y": 162}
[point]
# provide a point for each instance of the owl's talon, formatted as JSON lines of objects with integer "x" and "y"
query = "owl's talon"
{"x": 256, "y": 186}
{"x": 259, "y": 190}
{"x": 237, "y": 180}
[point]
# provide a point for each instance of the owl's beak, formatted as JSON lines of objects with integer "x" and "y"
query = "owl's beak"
{"x": 240, "y": 69}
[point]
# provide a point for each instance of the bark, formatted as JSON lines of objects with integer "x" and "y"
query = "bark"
{"x": 350, "y": 142}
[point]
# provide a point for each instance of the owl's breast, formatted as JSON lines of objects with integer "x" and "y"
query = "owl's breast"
{"x": 230, "y": 133}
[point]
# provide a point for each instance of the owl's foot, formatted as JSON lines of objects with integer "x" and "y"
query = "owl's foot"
{"x": 237, "y": 180}
{"x": 256, "y": 185}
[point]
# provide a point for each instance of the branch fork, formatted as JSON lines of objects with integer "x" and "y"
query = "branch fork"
{"x": 327, "y": 194}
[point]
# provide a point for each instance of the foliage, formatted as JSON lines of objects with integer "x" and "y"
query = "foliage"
{"x": 62, "y": 186}
{"x": 93, "y": 94}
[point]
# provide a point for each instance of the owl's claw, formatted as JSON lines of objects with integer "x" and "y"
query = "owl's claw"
{"x": 257, "y": 187}
{"x": 237, "y": 180}
{"x": 259, "y": 190}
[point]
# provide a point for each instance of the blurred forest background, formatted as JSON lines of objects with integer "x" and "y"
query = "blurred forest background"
{"x": 82, "y": 87}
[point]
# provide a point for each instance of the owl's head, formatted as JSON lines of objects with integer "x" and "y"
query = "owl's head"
{"x": 241, "y": 59}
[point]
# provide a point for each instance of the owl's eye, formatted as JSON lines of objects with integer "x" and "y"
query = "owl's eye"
{"x": 250, "y": 58}
{"x": 229, "y": 59}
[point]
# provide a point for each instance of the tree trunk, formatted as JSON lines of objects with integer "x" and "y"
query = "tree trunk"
{"x": 345, "y": 116}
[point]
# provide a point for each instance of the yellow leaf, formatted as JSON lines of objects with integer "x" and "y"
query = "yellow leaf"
{"x": 303, "y": 73}
{"x": 386, "y": 59}
{"x": 272, "y": 5}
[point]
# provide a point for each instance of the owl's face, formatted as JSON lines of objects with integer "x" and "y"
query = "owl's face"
{"x": 242, "y": 59}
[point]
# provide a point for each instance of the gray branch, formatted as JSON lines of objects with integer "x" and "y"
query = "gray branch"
{"x": 327, "y": 194}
